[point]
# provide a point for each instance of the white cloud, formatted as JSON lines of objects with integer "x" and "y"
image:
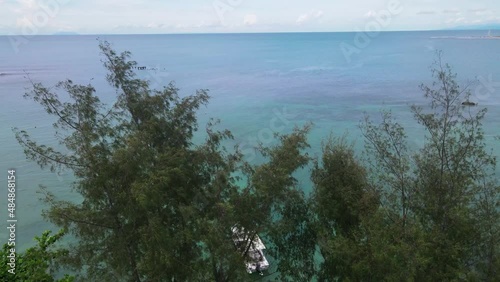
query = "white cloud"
{"x": 30, "y": 4}
{"x": 250, "y": 19}
{"x": 23, "y": 23}
{"x": 456, "y": 20}
{"x": 452, "y": 11}
{"x": 481, "y": 12}
{"x": 312, "y": 15}
{"x": 370, "y": 14}
{"x": 426, "y": 13}
{"x": 97, "y": 16}
{"x": 154, "y": 25}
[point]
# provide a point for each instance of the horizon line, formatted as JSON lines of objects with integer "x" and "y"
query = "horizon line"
{"x": 71, "y": 33}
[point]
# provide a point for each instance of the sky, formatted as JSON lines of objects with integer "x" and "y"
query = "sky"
{"x": 33, "y": 17}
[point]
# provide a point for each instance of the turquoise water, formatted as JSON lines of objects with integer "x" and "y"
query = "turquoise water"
{"x": 259, "y": 83}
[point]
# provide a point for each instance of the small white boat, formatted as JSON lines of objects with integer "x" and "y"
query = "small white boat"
{"x": 250, "y": 245}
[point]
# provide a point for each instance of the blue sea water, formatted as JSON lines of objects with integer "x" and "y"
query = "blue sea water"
{"x": 259, "y": 83}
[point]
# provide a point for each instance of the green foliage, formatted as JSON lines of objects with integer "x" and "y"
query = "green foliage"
{"x": 158, "y": 207}
{"x": 437, "y": 218}
{"x": 342, "y": 194}
{"x": 148, "y": 191}
{"x": 453, "y": 172}
{"x": 38, "y": 263}
{"x": 445, "y": 196}
{"x": 343, "y": 202}
{"x": 388, "y": 158}
{"x": 281, "y": 210}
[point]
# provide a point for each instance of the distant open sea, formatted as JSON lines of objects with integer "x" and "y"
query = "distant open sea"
{"x": 259, "y": 83}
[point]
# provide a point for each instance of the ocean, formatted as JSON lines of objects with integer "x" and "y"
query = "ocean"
{"x": 259, "y": 84}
